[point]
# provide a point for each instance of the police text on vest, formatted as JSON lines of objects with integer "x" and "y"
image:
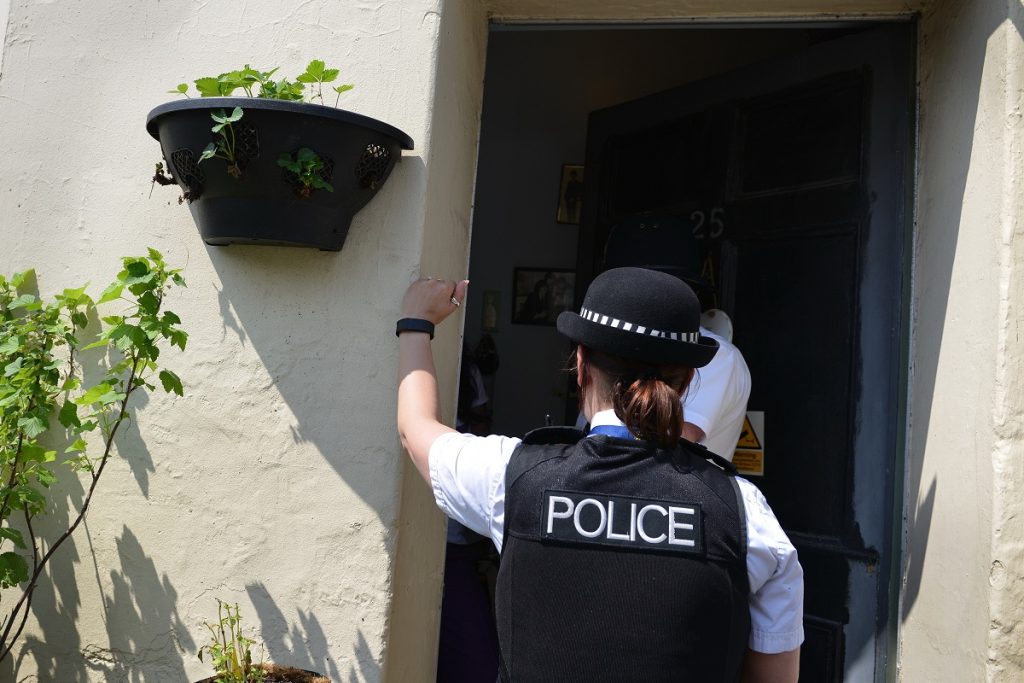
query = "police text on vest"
{"x": 601, "y": 519}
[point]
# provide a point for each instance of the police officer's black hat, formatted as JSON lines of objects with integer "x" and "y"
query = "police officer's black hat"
{"x": 642, "y": 315}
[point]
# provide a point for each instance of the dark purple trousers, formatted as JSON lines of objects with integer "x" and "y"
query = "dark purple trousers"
{"x": 468, "y": 649}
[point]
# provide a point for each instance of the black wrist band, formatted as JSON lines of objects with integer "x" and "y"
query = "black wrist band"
{"x": 414, "y": 325}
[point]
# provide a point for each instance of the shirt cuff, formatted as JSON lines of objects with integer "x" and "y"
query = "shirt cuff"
{"x": 775, "y": 643}
{"x": 432, "y": 466}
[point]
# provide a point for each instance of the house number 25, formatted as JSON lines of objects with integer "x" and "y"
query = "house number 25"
{"x": 708, "y": 225}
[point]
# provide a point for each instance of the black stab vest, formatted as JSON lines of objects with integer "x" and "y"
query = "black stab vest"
{"x": 602, "y": 580}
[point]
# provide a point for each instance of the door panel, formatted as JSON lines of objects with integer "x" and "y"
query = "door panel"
{"x": 793, "y": 174}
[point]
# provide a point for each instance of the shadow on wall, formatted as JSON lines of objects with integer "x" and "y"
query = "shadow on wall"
{"x": 318, "y": 322}
{"x": 303, "y": 644}
{"x": 147, "y": 637}
{"x": 145, "y": 634}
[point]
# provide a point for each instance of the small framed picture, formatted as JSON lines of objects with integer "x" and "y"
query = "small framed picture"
{"x": 570, "y": 194}
{"x": 490, "y": 311}
{"x": 540, "y": 294}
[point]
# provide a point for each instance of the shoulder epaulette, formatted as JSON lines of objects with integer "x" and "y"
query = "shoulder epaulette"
{"x": 552, "y": 435}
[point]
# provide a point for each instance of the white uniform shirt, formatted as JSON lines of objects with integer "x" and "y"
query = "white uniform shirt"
{"x": 717, "y": 398}
{"x": 467, "y": 474}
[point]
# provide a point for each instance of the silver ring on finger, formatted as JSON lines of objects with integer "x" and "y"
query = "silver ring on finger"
{"x": 455, "y": 302}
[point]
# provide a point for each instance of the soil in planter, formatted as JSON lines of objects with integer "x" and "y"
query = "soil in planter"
{"x": 284, "y": 674}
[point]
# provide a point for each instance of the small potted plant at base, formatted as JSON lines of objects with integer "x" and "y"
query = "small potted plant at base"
{"x": 270, "y": 167}
{"x": 230, "y": 653}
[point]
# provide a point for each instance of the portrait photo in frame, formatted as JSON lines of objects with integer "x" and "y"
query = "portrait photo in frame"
{"x": 570, "y": 195}
{"x": 540, "y": 294}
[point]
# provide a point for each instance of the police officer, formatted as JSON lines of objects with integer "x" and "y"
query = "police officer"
{"x": 628, "y": 554}
{"x": 715, "y": 406}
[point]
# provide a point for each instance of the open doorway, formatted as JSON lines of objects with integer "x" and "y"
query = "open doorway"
{"x": 787, "y": 151}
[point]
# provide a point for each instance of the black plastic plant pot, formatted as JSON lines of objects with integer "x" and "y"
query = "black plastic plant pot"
{"x": 266, "y": 203}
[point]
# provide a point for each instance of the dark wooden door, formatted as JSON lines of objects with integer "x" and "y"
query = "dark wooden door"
{"x": 795, "y": 176}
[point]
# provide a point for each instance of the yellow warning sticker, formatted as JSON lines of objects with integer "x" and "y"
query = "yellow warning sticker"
{"x": 749, "y": 455}
{"x": 748, "y": 437}
{"x": 749, "y": 463}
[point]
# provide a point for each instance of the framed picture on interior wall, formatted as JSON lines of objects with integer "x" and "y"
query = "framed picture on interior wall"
{"x": 570, "y": 194}
{"x": 540, "y": 294}
{"x": 490, "y": 311}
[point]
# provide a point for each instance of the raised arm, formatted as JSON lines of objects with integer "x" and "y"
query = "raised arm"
{"x": 419, "y": 416}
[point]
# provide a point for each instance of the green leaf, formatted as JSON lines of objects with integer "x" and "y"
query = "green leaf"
{"x": 10, "y": 344}
{"x": 329, "y": 75}
{"x": 170, "y": 318}
{"x": 208, "y": 86}
{"x": 68, "y": 415}
{"x": 111, "y": 292}
{"x": 179, "y": 338}
{"x": 171, "y": 382}
{"x": 34, "y": 453}
{"x": 33, "y": 426}
{"x": 14, "y": 536}
{"x": 138, "y": 271}
{"x": 343, "y": 88}
{"x": 13, "y": 569}
{"x": 149, "y": 303}
{"x": 93, "y": 395}
{"x": 23, "y": 301}
{"x": 79, "y": 446}
{"x": 72, "y": 296}
{"x": 18, "y": 279}
{"x": 181, "y": 89}
{"x": 236, "y": 114}
{"x": 12, "y": 368}
{"x": 45, "y": 477}
{"x": 314, "y": 72}
{"x": 209, "y": 152}
{"x": 111, "y": 397}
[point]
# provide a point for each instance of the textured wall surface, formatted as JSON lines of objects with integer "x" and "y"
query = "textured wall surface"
{"x": 275, "y": 481}
{"x": 962, "y": 591}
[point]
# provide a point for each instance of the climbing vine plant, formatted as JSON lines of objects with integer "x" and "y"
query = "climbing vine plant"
{"x": 53, "y": 423}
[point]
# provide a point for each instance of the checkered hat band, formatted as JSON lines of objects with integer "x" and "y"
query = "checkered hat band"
{"x": 600, "y": 319}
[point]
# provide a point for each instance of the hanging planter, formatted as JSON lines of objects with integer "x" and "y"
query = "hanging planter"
{"x": 256, "y": 170}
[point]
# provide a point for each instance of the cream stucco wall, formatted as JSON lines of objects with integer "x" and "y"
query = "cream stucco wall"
{"x": 278, "y": 480}
{"x": 962, "y": 592}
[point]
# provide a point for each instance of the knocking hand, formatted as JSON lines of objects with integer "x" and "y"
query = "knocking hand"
{"x": 433, "y": 299}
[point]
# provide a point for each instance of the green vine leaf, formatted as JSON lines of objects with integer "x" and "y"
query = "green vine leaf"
{"x": 13, "y": 569}
{"x": 40, "y": 343}
{"x": 171, "y": 382}
{"x": 14, "y": 536}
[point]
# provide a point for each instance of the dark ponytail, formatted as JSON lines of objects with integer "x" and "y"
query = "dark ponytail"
{"x": 647, "y": 398}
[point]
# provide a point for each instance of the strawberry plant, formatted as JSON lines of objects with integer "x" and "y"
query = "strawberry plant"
{"x": 256, "y": 83}
{"x": 224, "y": 146}
{"x": 307, "y": 168}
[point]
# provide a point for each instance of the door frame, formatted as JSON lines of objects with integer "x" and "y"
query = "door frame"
{"x": 887, "y": 652}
